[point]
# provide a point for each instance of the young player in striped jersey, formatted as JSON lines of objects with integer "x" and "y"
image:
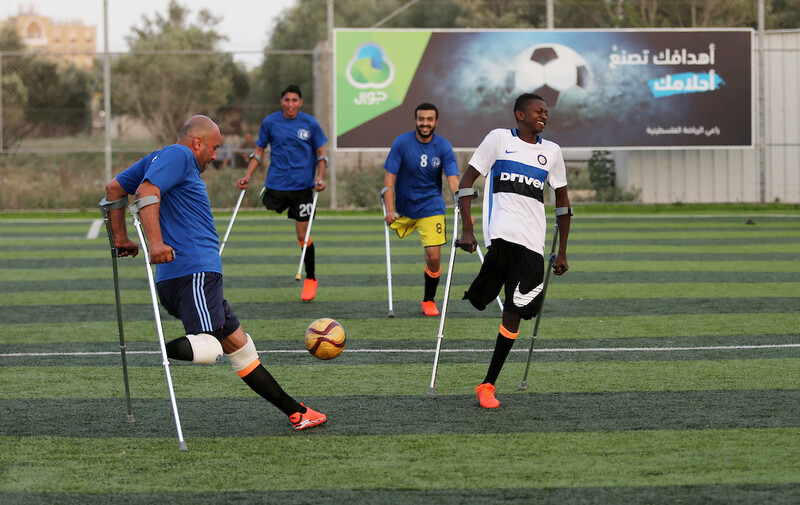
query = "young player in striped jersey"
{"x": 517, "y": 163}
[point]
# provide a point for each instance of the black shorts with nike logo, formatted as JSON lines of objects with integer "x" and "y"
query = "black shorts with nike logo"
{"x": 519, "y": 269}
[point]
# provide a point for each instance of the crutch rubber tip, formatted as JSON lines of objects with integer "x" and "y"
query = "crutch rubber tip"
{"x": 182, "y": 446}
{"x": 130, "y": 418}
{"x": 297, "y": 277}
{"x": 431, "y": 393}
{"x": 523, "y": 385}
{"x": 391, "y": 314}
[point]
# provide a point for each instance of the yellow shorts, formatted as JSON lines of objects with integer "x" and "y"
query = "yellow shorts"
{"x": 430, "y": 228}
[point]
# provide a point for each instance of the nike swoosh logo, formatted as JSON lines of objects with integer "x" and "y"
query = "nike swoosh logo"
{"x": 510, "y": 152}
{"x": 522, "y": 299}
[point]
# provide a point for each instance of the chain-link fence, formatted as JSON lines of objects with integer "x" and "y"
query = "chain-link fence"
{"x": 53, "y": 138}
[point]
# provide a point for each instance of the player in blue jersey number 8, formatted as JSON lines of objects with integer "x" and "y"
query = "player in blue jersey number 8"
{"x": 413, "y": 192}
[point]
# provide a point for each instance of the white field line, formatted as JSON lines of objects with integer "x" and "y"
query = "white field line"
{"x": 94, "y": 229}
{"x": 449, "y": 351}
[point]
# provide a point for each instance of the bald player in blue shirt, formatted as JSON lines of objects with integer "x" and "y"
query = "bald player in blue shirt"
{"x": 184, "y": 246}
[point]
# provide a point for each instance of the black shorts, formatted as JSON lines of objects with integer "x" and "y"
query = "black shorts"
{"x": 298, "y": 202}
{"x": 519, "y": 269}
{"x": 198, "y": 302}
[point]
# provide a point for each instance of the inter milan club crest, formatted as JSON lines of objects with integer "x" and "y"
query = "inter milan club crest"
{"x": 542, "y": 160}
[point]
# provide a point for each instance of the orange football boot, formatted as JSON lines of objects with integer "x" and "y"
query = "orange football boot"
{"x": 486, "y": 396}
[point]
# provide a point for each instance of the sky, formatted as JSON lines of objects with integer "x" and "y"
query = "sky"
{"x": 246, "y": 23}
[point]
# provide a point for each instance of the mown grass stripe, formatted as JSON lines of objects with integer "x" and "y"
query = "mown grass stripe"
{"x": 379, "y": 330}
{"x": 329, "y": 379}
{"x": 352, "y": 263}
{"x": 576, "y": 248}
{"x": 529, "y": 460}
{"x": 128, "y": 270}
{"x": 716, "y": 291}
{"x": 401, "y": 279}
{"x": 730, "y": 494}
{"x": 358, "y": 415}
{"x": 73, "y": 313}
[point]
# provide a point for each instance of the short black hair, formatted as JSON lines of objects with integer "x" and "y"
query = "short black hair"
{"x": 426, "y": 106}
{"x": 523, "y": 99}
{"x": 292, "y": 88}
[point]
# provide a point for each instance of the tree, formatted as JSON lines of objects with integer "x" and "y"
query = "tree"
{"x": 783, "y": 14}
{"x": 39, "y": 98}
{"x": 173, "y": 72}
{"x": 305, "y": 25}
{"x": 684, "y": 13}
{"x": 502, "y": 14}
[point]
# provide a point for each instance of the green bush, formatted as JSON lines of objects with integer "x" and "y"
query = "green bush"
{"x": 360, "y": 187}
{"x": 603, "y": 176}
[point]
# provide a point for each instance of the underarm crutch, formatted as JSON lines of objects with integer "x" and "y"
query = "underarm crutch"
{"x": 134, "y": 209}
{"x": 230, "y": 225}
{"x": 105, "y": 207}
{"x": 431, "y": 390}
{"x": 308, "y": 234}
{"x": 524, "y": 383}
{"x": 388, "y": 257}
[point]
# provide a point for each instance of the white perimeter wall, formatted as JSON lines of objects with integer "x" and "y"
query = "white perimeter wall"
{"x": 732, "y": 175}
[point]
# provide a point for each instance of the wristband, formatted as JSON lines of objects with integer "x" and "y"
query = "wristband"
{"x": 561, "y": 211}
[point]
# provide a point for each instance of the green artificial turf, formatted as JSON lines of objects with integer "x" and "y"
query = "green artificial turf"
{"x": 666, "y": 370}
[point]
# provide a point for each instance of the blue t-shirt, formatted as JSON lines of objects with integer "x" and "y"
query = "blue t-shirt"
{"x": 187, "y": 224}
{"x": 293, "y": 155}
{"x": 418, "y": 167}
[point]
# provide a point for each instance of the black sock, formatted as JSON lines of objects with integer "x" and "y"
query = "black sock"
{"x": 180, "y": 349}
{"x": 501, "y": 349}
{"x": 309, "y": 262}
{"x": 263, "y": 383}
{"x": 431, "y": 283}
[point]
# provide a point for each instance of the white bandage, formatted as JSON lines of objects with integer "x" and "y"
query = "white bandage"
{"x": 245, "y": 359}
{"x": 206, "y": 348}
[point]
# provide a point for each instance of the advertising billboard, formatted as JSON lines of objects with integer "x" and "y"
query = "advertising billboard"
{"x": 605, "y": 89}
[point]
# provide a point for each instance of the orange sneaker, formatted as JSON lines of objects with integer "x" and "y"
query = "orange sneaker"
{"x": 429, "y": 308}
{"x": 309, "y": 290}
{"x": 486, "y": 396}
{"x": 308, "y": 420}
